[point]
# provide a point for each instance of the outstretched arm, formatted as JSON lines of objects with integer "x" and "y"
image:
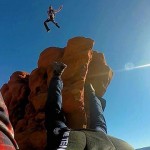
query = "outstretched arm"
{"x": 59, "y": 9}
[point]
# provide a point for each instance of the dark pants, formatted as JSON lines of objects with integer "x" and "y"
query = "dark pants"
{"x": 54, "y": 117}
{"x": 97, "y": 120}
{"x": 50, "y": 20}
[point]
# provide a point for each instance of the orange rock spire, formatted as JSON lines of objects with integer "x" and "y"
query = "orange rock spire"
{"x": 25, "y": 94}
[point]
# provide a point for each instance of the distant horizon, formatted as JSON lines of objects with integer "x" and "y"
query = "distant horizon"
{"x": 144, "y": 148}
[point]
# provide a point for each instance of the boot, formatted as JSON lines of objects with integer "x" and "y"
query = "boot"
{"x": 48, "y": 30}
{"x": 57, "y": 25}
{"x": 58, "y": 68}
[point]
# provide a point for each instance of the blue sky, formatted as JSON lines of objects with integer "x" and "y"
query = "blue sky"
{"x": 120, "y": 29}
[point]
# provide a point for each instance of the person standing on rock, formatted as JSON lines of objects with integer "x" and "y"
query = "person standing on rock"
{"x": 55, "y": 122}
{"x": 51, "y": 16}
{"x": 7, "y": 141}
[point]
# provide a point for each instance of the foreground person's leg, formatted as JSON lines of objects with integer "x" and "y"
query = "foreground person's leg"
{"x": 97, "y": 120}
{"x": 54, "y": 117}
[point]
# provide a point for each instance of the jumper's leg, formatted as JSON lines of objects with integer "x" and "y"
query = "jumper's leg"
{"x": 56, "y": 23}
{"x": 46, "y": 26}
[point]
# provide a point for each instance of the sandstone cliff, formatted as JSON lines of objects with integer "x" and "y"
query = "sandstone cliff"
{"x": 25, "y": 94}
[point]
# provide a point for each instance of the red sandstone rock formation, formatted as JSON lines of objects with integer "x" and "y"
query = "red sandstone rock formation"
{"x": 15, "y": 94}
{"x": 25, "y": 94}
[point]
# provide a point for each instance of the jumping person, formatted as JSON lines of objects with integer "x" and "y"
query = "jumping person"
{"x": 51, "y": 16}
{"x": 55, "y": 121}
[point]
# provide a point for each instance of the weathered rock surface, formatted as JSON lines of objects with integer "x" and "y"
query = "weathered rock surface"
{"x": 15, "y": 94}
{"x": 25, "y": 94}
